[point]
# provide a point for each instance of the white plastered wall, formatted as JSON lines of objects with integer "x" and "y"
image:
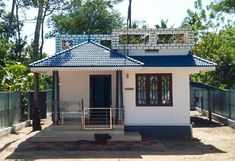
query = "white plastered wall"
{"x": 178, "y": 114}
{"x": 75, "y": 85}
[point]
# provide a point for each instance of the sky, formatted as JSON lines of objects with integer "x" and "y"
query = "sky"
{"x": 149, "y": 11}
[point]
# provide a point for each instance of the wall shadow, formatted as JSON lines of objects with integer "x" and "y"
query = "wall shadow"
{"x": 198, "y": 122}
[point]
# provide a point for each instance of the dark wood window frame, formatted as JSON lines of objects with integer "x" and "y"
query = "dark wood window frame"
{"x": 159, "y": 89}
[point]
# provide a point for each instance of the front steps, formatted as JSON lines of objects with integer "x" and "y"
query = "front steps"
{"x": 75, "y": 133}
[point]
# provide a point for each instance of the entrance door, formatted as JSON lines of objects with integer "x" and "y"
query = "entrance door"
{"x": 100, "y": 100}
{"x": 100, "y": 91}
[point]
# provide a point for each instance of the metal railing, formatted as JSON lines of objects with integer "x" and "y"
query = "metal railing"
{"x": 97, "y": 118}
{"x": 103, "y": 118}
{"x": 74, "y": 113}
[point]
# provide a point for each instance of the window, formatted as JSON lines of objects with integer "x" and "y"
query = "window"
{"x": 154, "y": 89}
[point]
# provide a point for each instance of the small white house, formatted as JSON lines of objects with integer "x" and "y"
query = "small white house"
{"x": 140, "y": 84}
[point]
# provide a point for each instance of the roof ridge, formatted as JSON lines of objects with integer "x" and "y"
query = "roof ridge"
{"x": 107, "y": 48}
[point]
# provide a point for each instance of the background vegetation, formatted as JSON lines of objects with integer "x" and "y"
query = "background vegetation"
{"x": 214, "y": 26}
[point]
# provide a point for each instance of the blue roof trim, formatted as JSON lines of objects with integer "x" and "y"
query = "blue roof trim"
{"x": 87, "y": 54}
{"x": 174, "y": 61}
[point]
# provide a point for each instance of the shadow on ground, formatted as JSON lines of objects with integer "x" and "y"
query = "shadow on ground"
{"x": 200, "y": 121}
{"x": 82, "y": 149}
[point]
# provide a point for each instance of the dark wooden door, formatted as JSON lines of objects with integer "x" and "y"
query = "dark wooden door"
{"x": 100, "y": 91}
{"x": 100, "y": 97}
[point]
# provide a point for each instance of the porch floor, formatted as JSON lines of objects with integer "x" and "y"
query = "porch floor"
{"x": 66, "y": 133}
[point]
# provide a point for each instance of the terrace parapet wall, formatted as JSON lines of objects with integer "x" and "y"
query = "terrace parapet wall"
{"x": 134, "y": 39}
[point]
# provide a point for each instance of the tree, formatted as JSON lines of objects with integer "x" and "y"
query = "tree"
{"x": 227, "y": 6}
{"x": 163, "y": 24}
{"x": 214, "y": 42}
{"x": 11, "y": 19}
{"x": 36, "y": 118}
{"x": 91, "y": 17}
{"x": 218, "y": 47}
{"x": 4, "y": 51}
{"x": 196, "y": 19}
{"x": 129, "y": 15}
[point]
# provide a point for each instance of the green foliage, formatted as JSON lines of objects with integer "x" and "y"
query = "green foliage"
{"x": 11, "y": 44}
{"x": 214, "y": 42}
{"x": 17, "y": 77}
{"x": 219, "y": 48}
{"x": 163, "y": 24}
{"x": 4, "y": 51}
{"x": 134, "y": 39}
{"x": 196, "y": 19}
{"x": 91, "y": 17}
{"x": 227, "y": 6}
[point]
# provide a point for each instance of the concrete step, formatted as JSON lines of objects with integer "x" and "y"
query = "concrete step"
{"x": 70, "y": 137}
{"x": 79, "y": 130}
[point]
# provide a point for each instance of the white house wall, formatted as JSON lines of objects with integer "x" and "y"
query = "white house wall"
{"x": 178, "y": 114}
{"x": 75, "y": 85}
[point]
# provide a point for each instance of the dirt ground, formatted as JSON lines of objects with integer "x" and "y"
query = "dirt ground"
{"x": 212, "y": 142}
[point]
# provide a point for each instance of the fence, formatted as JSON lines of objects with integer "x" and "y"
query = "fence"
{"x": 10, "y": 112}
{"x": 222, "y": 101}
{"x": 14, "y": 106}
{"x": 45, "y": 96}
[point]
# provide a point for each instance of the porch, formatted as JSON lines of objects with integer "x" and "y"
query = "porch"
{"x": 79, "y": 123}
{"x": 68, "y": 133}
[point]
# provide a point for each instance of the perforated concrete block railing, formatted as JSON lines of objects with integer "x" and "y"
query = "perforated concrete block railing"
{"x": 134, "y": 39}
{"x": 142, "y": 39}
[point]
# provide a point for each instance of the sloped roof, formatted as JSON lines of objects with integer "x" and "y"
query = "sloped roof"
{"x": 174, "y": 61}
{"x": 91, "y": 54}
{"x": 87, "y": 54}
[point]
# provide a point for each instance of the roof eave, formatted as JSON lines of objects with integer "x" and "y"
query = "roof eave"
{"x": 49, "y": 69}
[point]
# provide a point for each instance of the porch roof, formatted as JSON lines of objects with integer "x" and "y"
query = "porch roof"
{"x": 87, "y": 54}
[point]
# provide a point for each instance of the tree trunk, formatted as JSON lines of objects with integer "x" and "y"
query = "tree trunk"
{"x": 11, "y": 19}
{"x": 36, "y": 111}
{"x": 42, "y": 35}
{"x": 18, "y": 32}
{"x": 36, "y": 118}
{"x": 129, "y": 15}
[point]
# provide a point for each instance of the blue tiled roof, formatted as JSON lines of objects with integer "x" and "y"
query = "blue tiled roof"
{"x": 174, "y": 61}
{"x": 87, "y": 54}
{"x": 91, "y": 54}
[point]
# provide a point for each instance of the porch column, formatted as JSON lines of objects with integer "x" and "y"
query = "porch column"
{"x": 119, "y": 97}
{"x": 55, "y": 98}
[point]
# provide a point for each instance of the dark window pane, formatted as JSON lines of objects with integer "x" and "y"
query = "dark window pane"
{"x": 166, "y": 89}
{"x": 141, "y": 89}
{"x": 153, "y": 90}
